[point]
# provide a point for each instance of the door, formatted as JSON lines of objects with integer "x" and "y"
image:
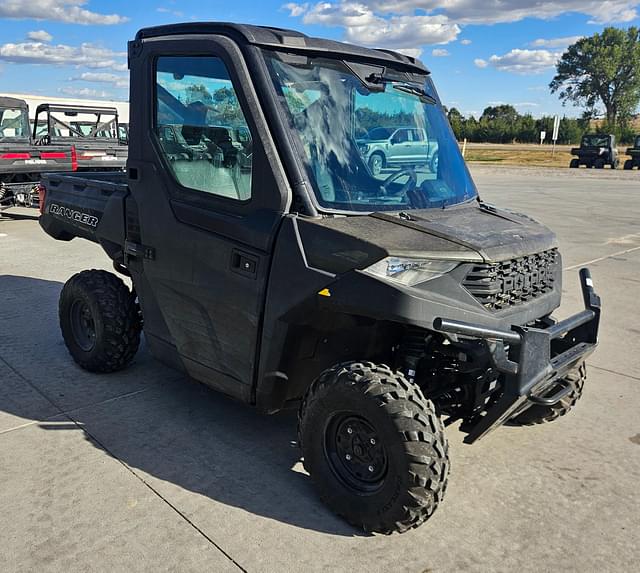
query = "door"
{"x": 400, "y": 146}
{"x": 419, "y": 146}
{"x": 208, "y": 212}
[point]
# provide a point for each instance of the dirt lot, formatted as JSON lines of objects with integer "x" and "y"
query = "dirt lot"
{"x": 146, "y": 471}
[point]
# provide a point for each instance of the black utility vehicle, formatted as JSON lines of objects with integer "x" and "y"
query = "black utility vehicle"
{"x": 385, "y": 306}
{"x": 634, "y": 152}
{"x": 93, "y": 131}
{"x": 21, "y": 163}
{"x": 596, "y": 151}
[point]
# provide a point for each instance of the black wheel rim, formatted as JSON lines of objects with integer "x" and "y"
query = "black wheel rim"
{"x": 82, "y": 325}
{"x": 355, "y": 453}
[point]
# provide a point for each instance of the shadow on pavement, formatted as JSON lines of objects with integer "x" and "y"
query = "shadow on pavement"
{"x": 179, "y": 433}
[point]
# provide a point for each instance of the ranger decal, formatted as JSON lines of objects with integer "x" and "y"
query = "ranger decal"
{"x": 74, "y": 215}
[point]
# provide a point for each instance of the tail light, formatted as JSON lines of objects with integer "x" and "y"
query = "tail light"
{"x": 52, "y": 155}
{"x": 42, "y": 193}
{"x": 74, "y": 158}
{"x": 15, "y": 156}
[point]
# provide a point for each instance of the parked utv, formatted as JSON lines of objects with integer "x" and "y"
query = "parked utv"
{"x": 596, "y": 151}
{"x": 383, "y": 306}
{"x": 21, "y": 163}
{"x": 634, "y": 152}
{"x": 93, "y": 131}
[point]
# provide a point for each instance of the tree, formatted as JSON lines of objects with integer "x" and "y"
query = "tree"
{"x": 602, "y": 69}
{"x": 504, "y": 112}
{"x": 198, "y": 93}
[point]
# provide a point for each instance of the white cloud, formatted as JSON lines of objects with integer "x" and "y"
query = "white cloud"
{"x": 56, "y": 10}
{"x": 440, "y": 53}
{"x": 40, "y": 36}
{"x": 296, "y": 10}
{"x": 465, "y": 42}
{"x": 103, "y": 77}
{"x": 85, "y": 92}
{"x": 556, "y": 42}
{"x": 362, "y": 25}
{"x": 474, "y": 12}
{"x": 176, "y": 13}
{"x": 346, "y": 12}
{"x": 522, "y": 62}
{"x": 86, "y": 55}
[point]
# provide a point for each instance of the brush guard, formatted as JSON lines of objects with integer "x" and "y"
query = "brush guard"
{"x": 541, "y": 357}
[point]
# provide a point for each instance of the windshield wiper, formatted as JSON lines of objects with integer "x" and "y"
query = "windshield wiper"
{"x": 417, "y": 91}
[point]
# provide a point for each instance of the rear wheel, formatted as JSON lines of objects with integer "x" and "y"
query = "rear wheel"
{"x": 575, "y": 163}
{"x": 100, "y": 321}
{"x": 615, "y": 164}
{"x": 628, "y": 164}
{"x": 599, "y": 164}
{"x": 374, "y": 447}
{"x": 539, "y": 414}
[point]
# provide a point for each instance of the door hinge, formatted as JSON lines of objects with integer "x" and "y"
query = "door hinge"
{"x": 139, "y": 251}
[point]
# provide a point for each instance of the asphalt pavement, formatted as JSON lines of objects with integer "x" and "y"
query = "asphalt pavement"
{"x": 144, "y": 470}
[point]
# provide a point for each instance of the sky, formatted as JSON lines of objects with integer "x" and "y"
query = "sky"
{"x": 480, "y": 53}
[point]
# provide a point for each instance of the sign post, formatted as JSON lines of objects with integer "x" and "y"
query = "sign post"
{"x": 556, "y": 129}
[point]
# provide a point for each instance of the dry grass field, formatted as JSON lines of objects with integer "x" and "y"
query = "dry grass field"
{"x": 515, "y": 154}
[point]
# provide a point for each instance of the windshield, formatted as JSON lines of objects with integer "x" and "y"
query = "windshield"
{"x": 14, "y": 123}
{"x": 375, "y": 144}
{"x": 595, "y": 141}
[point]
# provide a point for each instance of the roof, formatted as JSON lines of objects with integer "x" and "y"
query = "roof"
{"x": 279, "y": 38}
{"x": 13, "y": 103}
{"x": 75, "y": 108}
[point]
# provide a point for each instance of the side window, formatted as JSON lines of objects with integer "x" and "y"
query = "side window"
{"x": 201, "y": 128}
{"x": 401, "y": 136}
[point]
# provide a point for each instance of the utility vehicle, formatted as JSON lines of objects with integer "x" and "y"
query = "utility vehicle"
{"x": 596, "y": 150}
{"x": 634, "y": 152}
{"x": 383, "y": 307}
{"x": 21, "y": 163}
{"x": 93, "y": 131}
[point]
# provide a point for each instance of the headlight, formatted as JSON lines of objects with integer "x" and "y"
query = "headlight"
{"x": 410, "y": 272}
{"x": 363, "y": 148}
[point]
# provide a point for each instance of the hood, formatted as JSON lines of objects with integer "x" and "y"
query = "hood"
{"x": 472, "y": 232}
{"x": 495, "y": 234}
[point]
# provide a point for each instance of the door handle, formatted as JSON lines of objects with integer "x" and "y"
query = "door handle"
{"x": 244, "y": 263}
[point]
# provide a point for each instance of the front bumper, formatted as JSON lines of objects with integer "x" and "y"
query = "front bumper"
{"x": 532, "y": 359}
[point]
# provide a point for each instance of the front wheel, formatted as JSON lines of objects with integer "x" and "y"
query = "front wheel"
{"x": 628, "y": 164}
{"x": 376, "y": 163}
{"x": 539, "y": 414}
{"x": 374, "y": 447}
{"x": 599, "y": 164}
{"x": 574, "y": 164}
{"x": 433, "y": 163}
{"x": 100, "y": 321}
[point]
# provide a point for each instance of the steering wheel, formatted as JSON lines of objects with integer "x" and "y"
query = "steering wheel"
{"x": 410, "y": 185}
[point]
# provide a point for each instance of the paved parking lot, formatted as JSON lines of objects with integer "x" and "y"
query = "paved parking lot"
{"x": 146, "y": 471}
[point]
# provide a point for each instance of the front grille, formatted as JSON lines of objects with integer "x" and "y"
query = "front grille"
{"x": 501, "y": 285}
